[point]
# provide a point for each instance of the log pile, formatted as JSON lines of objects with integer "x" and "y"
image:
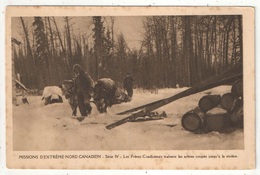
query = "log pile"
{"x": 217, "y": 113}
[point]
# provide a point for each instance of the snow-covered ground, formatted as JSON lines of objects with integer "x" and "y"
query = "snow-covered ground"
{"x": 39, "y": 127}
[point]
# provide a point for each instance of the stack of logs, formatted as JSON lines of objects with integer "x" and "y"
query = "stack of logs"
{"x": 217, "y": 113}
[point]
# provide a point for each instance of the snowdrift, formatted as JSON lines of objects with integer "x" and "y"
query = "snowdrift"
{"x": 52, "y": 94}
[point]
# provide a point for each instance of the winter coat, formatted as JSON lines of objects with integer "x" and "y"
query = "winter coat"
{"x": 128, "y": 82}
{"x": 84, "y": 83}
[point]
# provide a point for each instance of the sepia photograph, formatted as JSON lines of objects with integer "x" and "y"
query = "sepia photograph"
{"x": 131, "y": 83}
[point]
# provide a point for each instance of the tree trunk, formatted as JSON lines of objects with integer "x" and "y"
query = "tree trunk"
{"x": 58, "y": 34}
{"x": 240, "y": 38}
{"x": 14, "y": 99}
{"x": 29, "y": 50}
{"x": 68, "y": 36}
{"x": 228, "y": 25}
{"x": 209, "y": 102}
{"x": 112, "y": 33}
{"x": 193, "y": 120}
{"x": 53, "y": 50}
{"x": 64, "y": 55}
{"x": 227, "y": 101}
{"x": 237, "y": 88}
{"x": 30, "y": 55}
{"x": 217, "y": 120}
{"x": 48, "y": 63}
{"x": 187, "y": 50}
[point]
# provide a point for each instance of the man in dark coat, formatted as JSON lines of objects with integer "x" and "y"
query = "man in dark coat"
{"x": 128, "y": 85}
{"x": 84, "y": 86}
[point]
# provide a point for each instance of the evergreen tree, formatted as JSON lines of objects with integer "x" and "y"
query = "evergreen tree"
{"x": 99, "y": 45}
{"x": 41, "y": 53}
{"x": 121, "y": 55}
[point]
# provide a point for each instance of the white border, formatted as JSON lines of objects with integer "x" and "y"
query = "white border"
{"x": 4, "y": 3}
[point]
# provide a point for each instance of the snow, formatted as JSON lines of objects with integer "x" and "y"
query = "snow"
{"x": 39, "y": 127}
{"x": 53, "y": 91}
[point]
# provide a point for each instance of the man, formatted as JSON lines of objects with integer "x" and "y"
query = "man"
{"x": 128, "y": 85}
{"x": 84, "y": 86}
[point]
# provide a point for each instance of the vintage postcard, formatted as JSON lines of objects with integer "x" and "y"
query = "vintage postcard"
{"x": 130, "y": 87}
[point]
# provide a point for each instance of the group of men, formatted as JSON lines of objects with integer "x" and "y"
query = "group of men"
{"x": 102, "y": 92}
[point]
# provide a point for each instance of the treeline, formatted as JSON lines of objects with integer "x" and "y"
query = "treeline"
{"x": 174, "y": 50}
{"x": 185, "y": 50}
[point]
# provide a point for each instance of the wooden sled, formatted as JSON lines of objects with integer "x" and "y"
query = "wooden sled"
{"x": 150, "y": 116}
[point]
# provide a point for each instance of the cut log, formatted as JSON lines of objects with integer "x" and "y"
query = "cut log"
{"x": 237, "y": 114}
{"x": 237, "y": 88}
{"x": 193, "y": 120}
{"x": 217, "y": 120}
{"x": 209, "y": 102}
{"x": 228, "y": 101}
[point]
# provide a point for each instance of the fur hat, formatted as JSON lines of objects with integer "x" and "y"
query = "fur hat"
{"x": 76, "y": 66}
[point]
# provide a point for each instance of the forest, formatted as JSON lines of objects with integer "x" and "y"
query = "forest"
{"x": 174, "y": 50}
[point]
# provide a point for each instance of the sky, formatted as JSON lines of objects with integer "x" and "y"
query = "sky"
{"x": 130, "y": 26}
